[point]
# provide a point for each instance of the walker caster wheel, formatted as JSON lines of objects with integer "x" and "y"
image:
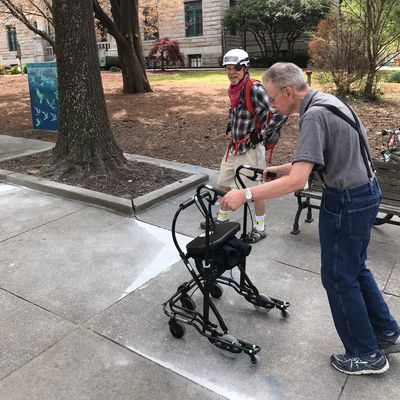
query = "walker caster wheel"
{"x": 216, "y": 290}
{"x": 228, "y": 350}
{"x": 188, "y": 303}
{"x": 255, "y": 360}
{"x": 267, "y": 308}
{"x": 285, "y": 314}
{"x": 176, "y": 328}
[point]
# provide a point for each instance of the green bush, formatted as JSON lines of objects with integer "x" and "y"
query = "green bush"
{"x": 299, "y": 58}
{"x": 24, "y": 68}
{"x": 115, "y": 69}
{"x": 112, "y": 61}
{"x": 395, "y": 77}
{"x": 14, "y": 70}
{"x": 2, "y": 69}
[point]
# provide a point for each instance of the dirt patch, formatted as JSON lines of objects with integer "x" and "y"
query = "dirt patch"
{"x": 178, "y": 121}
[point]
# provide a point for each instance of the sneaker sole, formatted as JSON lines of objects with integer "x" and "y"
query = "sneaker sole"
{"x": 395, "y": 348}
{"x": 364, "y": 371}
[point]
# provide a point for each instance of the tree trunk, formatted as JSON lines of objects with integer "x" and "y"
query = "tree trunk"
{"x": 369, "y": 84}
{"x": 133, "y": 76}
{"x": 126, "y": 22}
{"x": 85, "y": 142}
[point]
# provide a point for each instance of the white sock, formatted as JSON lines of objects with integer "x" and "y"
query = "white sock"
{"x": 223, "y": 215}
{"x": 260, "y": 223}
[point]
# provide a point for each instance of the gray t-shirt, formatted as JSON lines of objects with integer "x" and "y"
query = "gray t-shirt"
{"x": 331, "y": 143}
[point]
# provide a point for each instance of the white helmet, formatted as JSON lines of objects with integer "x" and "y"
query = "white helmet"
{"x": 236, "y": 57}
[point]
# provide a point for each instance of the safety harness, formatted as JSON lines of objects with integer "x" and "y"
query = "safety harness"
{"x": 250, "y": 108}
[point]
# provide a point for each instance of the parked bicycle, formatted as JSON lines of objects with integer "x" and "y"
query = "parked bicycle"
{"x": 390, "y": 145}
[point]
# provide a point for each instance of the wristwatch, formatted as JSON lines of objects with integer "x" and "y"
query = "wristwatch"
{"x": 249, "y": 194}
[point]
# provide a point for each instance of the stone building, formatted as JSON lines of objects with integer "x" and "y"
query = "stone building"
{"x": 195, "y": 24}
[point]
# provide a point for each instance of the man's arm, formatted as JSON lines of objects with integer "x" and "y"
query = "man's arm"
{"x": 296, "y": 180}
{"x": 270, "y": 120}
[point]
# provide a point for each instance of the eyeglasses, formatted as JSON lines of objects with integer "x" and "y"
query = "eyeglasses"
{"x": 272, "y": 99}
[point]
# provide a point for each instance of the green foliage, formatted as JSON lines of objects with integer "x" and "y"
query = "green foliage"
{"x": 275, "y": 22}
{"x": 112, "y": 61}
{"x": 338, "y": 47}
{"x": 300, "y": 58}
{"x": 24, "y": 68}
{"x": 114, "y": 68}
{"x": 2, "y": 69}
{"x": 13, "y": 70}
{"x": 380, "y": 24}
{"x": 394, "y": 77}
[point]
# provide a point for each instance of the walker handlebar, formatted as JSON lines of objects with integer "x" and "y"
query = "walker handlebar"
{"x": 253, "y": 177}
{"x": 187, "y": 203}
{"x": 208, "y": 188}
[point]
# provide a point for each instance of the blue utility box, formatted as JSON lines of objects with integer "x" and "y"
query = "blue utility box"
{"x": 43, "y": 91}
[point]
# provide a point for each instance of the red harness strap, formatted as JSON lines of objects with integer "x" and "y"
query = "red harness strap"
{"x": 250, "y": 109}
{"x": 236, "y": 146}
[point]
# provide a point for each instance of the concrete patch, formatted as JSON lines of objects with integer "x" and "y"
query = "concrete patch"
{"x": 87, "y": 366}
{"x": 12, "y": 147}
{"x": 81, "y": 264}
{"x": 22, "y": 209}
{"x": 26, "y": 331}
{"x": 291, "y": 349}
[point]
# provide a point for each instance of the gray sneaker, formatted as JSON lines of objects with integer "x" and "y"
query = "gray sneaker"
{"x": 389, "y": 344}
{"x": 360, "y": 365}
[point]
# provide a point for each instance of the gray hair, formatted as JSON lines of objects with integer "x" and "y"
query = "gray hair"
{"x": 283, "y": 74}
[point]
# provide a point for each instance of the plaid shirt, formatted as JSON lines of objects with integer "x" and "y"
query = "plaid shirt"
{"x": 241, "y": 122}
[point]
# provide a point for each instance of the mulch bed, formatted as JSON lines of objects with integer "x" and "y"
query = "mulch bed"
{"x": 136, "y": 180}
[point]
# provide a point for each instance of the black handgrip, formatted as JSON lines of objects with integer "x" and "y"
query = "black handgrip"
{"x": 218, "y": 192}
{"x": 260, "y": 171}
{"x": 187, "y": 203}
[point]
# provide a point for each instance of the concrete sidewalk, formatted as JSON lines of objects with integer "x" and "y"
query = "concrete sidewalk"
{"x": 81, "y": 290}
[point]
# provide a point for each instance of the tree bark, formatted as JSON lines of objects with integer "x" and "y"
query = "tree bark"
{"x": 85, "y": 142}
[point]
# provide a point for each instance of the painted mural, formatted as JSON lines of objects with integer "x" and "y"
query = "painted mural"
{"x": 43, "y": 90}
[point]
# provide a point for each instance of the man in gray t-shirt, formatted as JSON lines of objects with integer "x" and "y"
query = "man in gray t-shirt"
{"x": 332, "y": 140}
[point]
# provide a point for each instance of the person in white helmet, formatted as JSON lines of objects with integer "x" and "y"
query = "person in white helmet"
{"x": 247, "y": 131}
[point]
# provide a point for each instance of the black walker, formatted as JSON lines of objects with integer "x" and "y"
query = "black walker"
{"x": 215, "y": 251}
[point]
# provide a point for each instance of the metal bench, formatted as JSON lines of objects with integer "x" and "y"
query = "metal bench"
{"x": 389, "y": 179}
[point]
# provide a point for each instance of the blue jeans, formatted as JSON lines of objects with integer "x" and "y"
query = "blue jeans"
{"x": 359, "y": 311}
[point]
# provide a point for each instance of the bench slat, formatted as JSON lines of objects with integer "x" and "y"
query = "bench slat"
{"x": 388, "y": 175}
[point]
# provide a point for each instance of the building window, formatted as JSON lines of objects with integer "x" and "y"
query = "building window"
{"x": 194, "y": 60}
{"x": 12, "y": 38}
{"x": 193, "y": 18}
{"x": 150, "y": 23}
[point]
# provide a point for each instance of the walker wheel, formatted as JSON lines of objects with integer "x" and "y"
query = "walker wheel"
{"x": 255, "y": 360}
{"x": 177, "y": 328}
{"x": 188, "y": 303}
{"x": 285, "y": 313}
{"x": 227, "y": 350}
{"x": 264, "y": 309}
{"x": 216, "y": 290}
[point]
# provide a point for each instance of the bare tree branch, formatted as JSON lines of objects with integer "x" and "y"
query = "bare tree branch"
{"x": 19, "y": 14}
